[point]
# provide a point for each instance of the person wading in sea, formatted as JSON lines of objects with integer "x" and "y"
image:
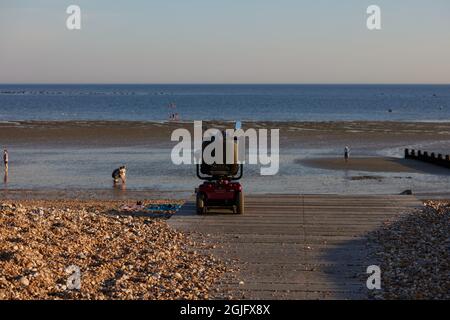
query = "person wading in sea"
{"x": 120, "y": 173}
{"x": 5, "y": 159}
{"x": 346, "y": 153}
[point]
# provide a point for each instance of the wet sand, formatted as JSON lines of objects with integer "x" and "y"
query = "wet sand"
{"x": 61, "y": 160}
{"x": 120, "y": 133}
{"x": 375, "y": 164}
{"x": 104, "y": 194}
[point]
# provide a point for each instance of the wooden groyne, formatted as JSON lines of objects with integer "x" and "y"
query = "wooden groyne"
{"x": 425, "y": 156}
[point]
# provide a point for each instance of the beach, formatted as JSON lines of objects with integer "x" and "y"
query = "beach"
{"x": 319, "y": 246}
{"x": 119, "y": 255}
{"x": 59, "y": 188}
{"x": 292, "y": 134}
{"x": 78, "y": 156}
{"x": 243, "y": 152}
{"x": 413, "y": 252}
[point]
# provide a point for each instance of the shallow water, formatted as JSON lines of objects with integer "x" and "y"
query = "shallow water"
{"x": 54, "y": 164}
{"x": 151, "y": 169}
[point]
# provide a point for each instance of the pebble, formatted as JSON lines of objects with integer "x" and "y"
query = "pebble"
{"x": 24, "y": 281}
{"x": 178, "y": 276}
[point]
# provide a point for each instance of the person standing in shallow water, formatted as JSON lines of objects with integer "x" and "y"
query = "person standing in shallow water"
{"x": 346, "y": 153}
{"x": 5, "y": 159}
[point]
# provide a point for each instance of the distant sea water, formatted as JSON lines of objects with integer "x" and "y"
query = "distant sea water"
{"x": 226, "y": 102}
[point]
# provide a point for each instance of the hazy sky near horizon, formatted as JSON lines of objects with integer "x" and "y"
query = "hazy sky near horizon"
{"x": 225, "y": 41}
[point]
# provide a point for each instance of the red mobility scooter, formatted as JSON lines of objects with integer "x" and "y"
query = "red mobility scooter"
{"x": 220, "y": 189}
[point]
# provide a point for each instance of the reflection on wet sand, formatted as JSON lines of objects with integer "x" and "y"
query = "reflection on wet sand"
{"x": 119, "y": 187}
{"x": 375, "y": 164}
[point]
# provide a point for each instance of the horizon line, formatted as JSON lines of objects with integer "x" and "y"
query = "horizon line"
{"x": 225, "y": 83}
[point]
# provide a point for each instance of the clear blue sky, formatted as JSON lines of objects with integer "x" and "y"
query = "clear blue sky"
{"x": 225, "y": 41}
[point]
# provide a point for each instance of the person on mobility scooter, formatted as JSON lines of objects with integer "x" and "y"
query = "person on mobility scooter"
{"x": 220, "y": 189}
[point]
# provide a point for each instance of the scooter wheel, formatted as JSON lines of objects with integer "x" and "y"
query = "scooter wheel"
{"x": 240, "y": 203}
{"x": 201, "y": 208}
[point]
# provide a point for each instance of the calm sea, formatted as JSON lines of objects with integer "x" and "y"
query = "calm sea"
{"x": 225, "y": 102}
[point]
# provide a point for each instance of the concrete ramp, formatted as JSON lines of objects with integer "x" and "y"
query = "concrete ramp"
{"x": 296, "y": 246}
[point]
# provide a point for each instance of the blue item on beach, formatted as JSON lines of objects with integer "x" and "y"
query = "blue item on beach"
{"x": 152, "y": 210}
{"x": 163, "y": 208}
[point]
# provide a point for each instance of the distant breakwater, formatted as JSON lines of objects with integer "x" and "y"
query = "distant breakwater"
{"x": 429, "y": 157}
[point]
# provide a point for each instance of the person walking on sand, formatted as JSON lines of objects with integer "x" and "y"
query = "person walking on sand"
{"x": 346, "y": 153}
{"x": 5, "y": 159}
